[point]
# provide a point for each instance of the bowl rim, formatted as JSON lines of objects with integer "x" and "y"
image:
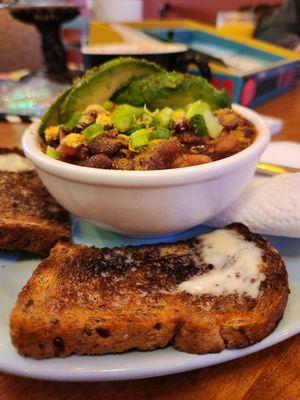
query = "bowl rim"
{"x": 153, "y": 178}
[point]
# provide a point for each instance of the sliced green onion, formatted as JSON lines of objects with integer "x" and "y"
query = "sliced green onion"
{"x": 135, "y": 128}
{"x": 136, "y": 111}
{"x": 73, "y": 121}
{"x": 139, "y": 138}
{"x": 163, "y": 133}
{"x": 52, "y": 152}
{"x": 123, "y": 120}
{"x": 147, "y": 118}
{"x": 160, "y": 133}
{"x": 155, "y": 112}
{"x": 153, "y": 135}
{"x": 214, "y": 128}
{"x": 93, "y": 130}
{"x": 163, "y": 117}
{"x": 199, "y": 125}
{"x": 198, "y": 107}
{"x": 108, "y": 105}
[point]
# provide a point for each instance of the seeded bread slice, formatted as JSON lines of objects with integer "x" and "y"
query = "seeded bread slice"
{"x": 30, "y": 219}
{"x": 111, "y": 300}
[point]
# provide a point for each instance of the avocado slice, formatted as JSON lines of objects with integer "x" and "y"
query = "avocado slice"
{"x": 101, "y": 83}
{"x": 170, "y": 89}
{"x": 52, "y": 115}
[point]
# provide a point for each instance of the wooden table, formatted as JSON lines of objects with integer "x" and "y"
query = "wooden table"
{"x": 272, "y": 374}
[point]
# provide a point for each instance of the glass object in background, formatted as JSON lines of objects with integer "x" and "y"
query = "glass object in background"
{"x": 33, "y": 95}
{"x": 236, "y": 23}
{"x": 47, "y": 18}
{"x": 29, "y": 97}
{"x": 117, "y": 10}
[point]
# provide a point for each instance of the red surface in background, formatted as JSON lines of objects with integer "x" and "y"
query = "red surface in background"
{"x": 204, "y": 11}
{"x": 225, "y": 83}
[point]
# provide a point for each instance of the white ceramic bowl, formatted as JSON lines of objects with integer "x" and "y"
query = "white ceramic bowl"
{"x": 148, "y": 203}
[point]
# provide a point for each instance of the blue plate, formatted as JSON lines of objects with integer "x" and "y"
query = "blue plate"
{"x": 16, "y": 268}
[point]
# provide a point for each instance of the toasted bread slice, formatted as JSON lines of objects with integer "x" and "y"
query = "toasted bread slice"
{"x": 111, "y": 300}
{"x": 30, "y": 219}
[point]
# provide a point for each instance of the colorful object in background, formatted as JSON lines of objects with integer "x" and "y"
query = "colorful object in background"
{"x": 248, "y": 92}
{"x": 107, "y": 41}
{"x": 74, "y": 33}
{"x": 14, "y": 76}
{"x": 241, "y": 24}
{"x": 103, "y": 33}
{"x": 252, "y": 71}
{"x": 227, "y": 84}
{"x": 30, "y": 97}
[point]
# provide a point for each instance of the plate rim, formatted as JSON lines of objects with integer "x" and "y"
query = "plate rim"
{"x": 146, "y": 372}
{"x": 99, "y": 374}
{"x": 12, "y": 363}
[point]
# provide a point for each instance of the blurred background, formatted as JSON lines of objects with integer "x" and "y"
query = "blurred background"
{"x": 20, "y": 42}
{"x": 44, "y": 45}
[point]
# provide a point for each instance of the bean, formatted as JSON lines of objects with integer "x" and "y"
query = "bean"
{"x": 72, "y": 154}
{"x": 98, "y": 161}
{"x": 224, "y": 144}
{"x": 189, "y": 138}
{"x": 105, "y": 145}
{"x": 188, "y": 160}
{"x": 229, "y": 119}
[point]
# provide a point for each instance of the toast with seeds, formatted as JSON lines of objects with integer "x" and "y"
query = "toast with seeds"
{"x": 30, "y": 219}
{"x": 112, "y": 300}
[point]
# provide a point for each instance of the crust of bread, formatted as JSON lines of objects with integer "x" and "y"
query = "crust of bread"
{"x": 112, "y": 300}
{"x": 36, "y": 237}
{"x": 30, "y": 219}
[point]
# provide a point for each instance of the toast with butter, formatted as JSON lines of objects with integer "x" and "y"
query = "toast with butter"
{"x": 30, "y": 219}
{"x": 225, "y": 289}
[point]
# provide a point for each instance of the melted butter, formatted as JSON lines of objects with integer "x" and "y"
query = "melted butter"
{"x": 14, "y": 163}
{"x": 236, "y": 266}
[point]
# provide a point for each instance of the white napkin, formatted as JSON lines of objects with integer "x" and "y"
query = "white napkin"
{"x": 269, "y": 205}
